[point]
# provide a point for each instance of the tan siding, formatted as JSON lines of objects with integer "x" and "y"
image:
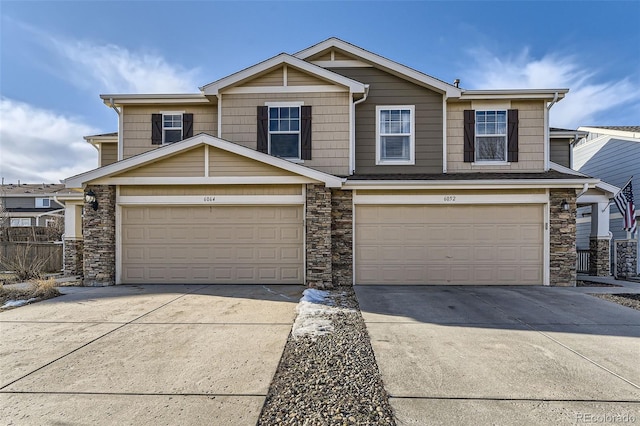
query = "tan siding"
{"x": 322, "y": 56}
{"x": 187, "y": 164}
{"x": 296, "y": 77}
{"x": 223, "y": 163}
{"x": 108, "y": 153}
{"x": 168, "y": 190}
{"x": 330, "y": 125}
{"x": 530, "y": 141}
{"x": 338, "y": 55}
{"x": 386, "y": 89}
{"x": 137, "y": 124}
{"x": 272, "y": 78}
{"x": 560, "y": 152}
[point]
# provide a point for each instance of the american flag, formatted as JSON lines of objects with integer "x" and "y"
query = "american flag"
{"x": 624, "y": 201}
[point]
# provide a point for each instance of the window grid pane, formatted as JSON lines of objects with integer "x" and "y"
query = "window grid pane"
{"x": 284, "y": 131}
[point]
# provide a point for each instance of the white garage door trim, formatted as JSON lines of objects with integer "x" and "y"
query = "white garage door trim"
{"x": 227, "y": 200}
{"x": 453, "y": 198}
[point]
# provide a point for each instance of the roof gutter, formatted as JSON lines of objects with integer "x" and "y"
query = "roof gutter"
{"x": 352, "y": 149}
{"x": 120, "y": 125}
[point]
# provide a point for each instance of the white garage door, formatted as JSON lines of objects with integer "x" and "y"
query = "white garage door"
{"x": 217, "y": 245}
{"x": 474, "y": 244}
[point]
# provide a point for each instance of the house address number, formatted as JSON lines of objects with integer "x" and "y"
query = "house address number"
{"x": 209, "y": 199}
{"x": 449, "y": 198}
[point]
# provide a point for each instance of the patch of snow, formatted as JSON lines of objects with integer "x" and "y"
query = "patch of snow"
{"x": 16, "y": 303}
{"x": 314, "y": 314}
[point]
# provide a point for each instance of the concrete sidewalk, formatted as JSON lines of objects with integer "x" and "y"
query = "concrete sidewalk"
{"x": 144, "y": 354}
{"x": 503, "y": 355}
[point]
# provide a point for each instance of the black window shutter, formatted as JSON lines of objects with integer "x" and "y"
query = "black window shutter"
{"x": 512, "y": 135}
{"x": 156, "y": 129}
{"x": 187, "y": 126}
{"x": 263, "y": 129}
{"x": 469, "y": 135}
{"x": 305, "y": 131}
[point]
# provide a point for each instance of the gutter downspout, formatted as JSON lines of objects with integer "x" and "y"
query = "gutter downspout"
{"x": 119, "y": 112}
{"x": 352, "y": 149}
{"x": 585, "y": 188}
{"x": 546, "y": 132}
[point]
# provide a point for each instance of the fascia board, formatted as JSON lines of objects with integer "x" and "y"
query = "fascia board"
{"x": 423, "y": 79}
{"x": 611, "y": 132}
{"x": 283, "y": 58}
{"x": 80, "y": 180}
{"x": 472, "y": 184}
{"x": 562, "y": 169}
{"x": 152, "y": 99}
{"x": 547, "y": 94}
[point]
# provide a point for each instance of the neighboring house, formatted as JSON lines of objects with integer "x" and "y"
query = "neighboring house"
{"x": 31, "y": 205}
{"x": 611, "y": 153}
{"x": 331, "y": 166}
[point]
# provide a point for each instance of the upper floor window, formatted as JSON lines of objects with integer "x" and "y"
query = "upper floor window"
{"x": 395, "y": 134}
{"x": 43, "y": 202}
{"x": 170, "y": 127}
{"x": 491, "y": 136}
{"x": 284, "y": 131}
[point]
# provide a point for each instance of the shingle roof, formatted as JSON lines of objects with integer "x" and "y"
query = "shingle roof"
{"x": 551, "y": 174}
{"x": 36, "y": 189}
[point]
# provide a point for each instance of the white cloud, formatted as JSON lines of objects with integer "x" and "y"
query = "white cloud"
{"x": 589, "y": 101}
{"x": 115, "y": 69}
{"x": 42, "y": 146}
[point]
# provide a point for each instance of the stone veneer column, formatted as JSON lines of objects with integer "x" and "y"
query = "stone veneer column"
{"x": 99, "y": 230}
{"x": 562, "y": 238}
{"x": 626, "y": 258}
{"x": 73, "y": 250}
{"x": 599, "y": 256}
{"x": 342, "y": 237}
{"x": 318, "y": 236}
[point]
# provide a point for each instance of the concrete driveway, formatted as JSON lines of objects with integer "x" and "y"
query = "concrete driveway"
{"x": 144, "y": 355}
{"x": 504, "y": 355}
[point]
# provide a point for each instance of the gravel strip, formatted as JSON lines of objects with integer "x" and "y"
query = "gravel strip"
{"x": 330, "y": 377}
{"x": 630, "y": 300}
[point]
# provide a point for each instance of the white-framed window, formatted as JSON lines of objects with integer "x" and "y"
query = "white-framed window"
{"x": 171, "y": 127}
{"x": 43, "y": 203}
{"x": 20, "y": 221}
{"x": 284, "y": 131}
{"x": 395, "y": 134}
{"x": 491, "y": 136}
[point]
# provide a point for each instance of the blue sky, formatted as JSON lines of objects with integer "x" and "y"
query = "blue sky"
{"x": 58, "y": 56}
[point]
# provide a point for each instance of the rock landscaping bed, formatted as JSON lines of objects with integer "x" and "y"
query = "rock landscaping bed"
{"x": 629, "y": 300}
{"x": 327, "y": 374}
{"x": 594, "y": 284}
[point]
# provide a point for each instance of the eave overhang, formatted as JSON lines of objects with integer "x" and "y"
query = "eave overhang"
{"x": 472, "y": 184}
{"x": 513, "y": 94}
{"x": 154, "y": 99}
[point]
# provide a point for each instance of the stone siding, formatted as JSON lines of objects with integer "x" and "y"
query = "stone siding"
{"x": 599, "y": 257}
{"x": 73, "y": 254}
{"x": 99, "y": 231}
{"x": 562, "y": 238}
{"x": 342, "y": 237}
{"x": 626, "y": 258}
{"x": 318, "y": 237}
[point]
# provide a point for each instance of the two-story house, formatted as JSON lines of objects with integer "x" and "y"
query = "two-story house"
{"x": 330, "y": 166}
{"x": 28, "y": 205}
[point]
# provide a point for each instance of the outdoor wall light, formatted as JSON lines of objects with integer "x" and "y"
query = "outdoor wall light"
{"x": 90, "y": 197}
{"x": 565, "y": 205}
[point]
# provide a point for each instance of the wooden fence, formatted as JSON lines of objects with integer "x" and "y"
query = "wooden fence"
{"x": 51, "y": 252}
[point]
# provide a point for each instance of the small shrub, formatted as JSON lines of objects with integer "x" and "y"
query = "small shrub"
{"x": 24, "y": 264}
{"x": 45, "y": 289}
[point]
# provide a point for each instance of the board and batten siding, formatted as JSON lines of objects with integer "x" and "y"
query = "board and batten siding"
{"x": 137, "y": 124}
{"x": 559, "y": 152}
{"x": 387, "y": 89}
{"x": 329, "y": 124}
{"x": 108, "y": 153}
{"x": 530, "y": 139}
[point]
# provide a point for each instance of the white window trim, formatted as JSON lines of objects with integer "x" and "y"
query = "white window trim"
{"x": 21, "y": 220}
{"x": 297, "y": 159}
{"x": 181, "y": 113}
{"x": 412, "y": 137}
{"x": 40, "y": 203}
{"x": 504, "y": 162}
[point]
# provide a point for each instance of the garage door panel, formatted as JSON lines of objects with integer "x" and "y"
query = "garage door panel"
{"x": 206, "y": 244}
{"x": 482, "y": 244}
